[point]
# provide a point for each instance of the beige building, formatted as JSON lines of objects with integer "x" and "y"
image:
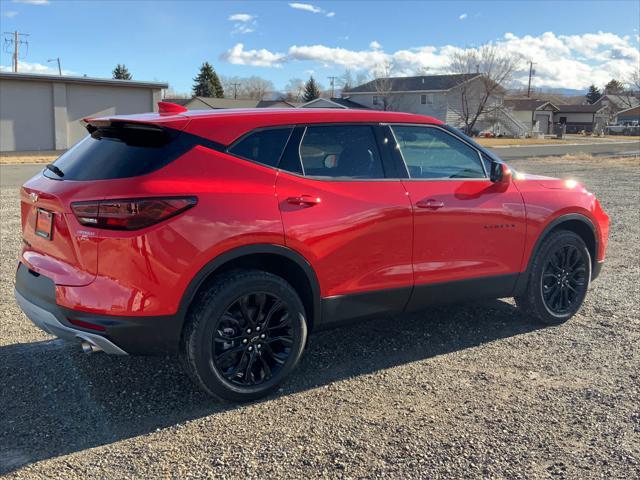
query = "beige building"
{"x": 45, "y": 112}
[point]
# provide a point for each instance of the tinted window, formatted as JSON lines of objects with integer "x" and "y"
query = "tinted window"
{"x": 264, "y": 146}
{"x": 348, "y": 151}
{"x": 120, "y": 151}
{"x": 433, "y": 153}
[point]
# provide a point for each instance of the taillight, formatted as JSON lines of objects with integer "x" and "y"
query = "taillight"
{"x": 130, "y": 213}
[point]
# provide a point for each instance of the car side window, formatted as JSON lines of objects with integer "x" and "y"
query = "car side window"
{"x": 432, "y": 153}
{"x": 263, "y": 146}
{"x": 341, "y": 151}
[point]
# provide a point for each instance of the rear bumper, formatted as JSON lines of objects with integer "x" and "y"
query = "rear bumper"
{"x": 35, "y": 295}
{"x": 48, "y": 322}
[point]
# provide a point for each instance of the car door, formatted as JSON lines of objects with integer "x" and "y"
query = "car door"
{"x": 469, "y": 232}
{"x": 351, "y": 222}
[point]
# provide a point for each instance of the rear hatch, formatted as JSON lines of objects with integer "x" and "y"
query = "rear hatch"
{"x": 55, "y": 244}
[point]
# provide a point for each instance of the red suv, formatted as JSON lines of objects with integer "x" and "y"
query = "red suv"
{"x": 228, "y": 236}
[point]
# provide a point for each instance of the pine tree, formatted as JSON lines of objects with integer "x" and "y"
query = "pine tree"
{"x": 311, "y": 90}
{"x": 593, "y": 95}
{"x": 614, "y": 87}
{"x": 207, "y": 83}
{"x": 121, "y": 73}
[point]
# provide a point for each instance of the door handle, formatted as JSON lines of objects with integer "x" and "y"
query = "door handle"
{"x": 304, "y": 200}
{"x": 430, "y": 204}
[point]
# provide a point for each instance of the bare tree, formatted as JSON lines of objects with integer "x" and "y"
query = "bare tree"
{"x": 383, "y": 85}
{"x": 634, "y": 81}
{"x": 246, "y": 87}
{"x": 294, "y": 90}
{"x": 257, "y": 87}
{"x": 346, "y": 80}
{"x": 477, "y": 98}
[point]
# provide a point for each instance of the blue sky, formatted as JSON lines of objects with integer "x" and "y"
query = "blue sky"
{"x": 573, "y": 43}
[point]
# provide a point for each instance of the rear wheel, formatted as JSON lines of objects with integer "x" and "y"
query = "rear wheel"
{"x": 559, "y": 279}
{"x": 244, "y": 335}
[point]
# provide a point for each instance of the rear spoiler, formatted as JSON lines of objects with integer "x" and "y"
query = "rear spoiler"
{"x": 168, "y": 116}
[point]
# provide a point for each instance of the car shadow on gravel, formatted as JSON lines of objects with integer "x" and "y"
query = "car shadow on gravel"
{"x": 56, "y": 401}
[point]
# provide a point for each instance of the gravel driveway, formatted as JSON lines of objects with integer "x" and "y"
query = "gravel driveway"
{"x": 461, "y": 391}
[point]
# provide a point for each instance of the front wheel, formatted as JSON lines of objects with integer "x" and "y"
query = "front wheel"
{"x": 559, "y": 279}
{"x": 244, "y": 335}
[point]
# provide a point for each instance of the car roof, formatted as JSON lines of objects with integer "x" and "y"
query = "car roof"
{"x": 226, "y": 125}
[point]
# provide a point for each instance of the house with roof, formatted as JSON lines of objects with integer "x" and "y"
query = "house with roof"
{"x": 617, "y": 103}
{"x": 213, "y": 103}
{"x": 578, "y": 118}
{"x": 536, "y": 115}
{"x": 441, "y": 96}
{"x": 344, "y": 103}
{"x": 629, "y": 116}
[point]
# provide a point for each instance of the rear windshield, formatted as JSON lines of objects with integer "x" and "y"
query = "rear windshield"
{"x": 120, "y": 151}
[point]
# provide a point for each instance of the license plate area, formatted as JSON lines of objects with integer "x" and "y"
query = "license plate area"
{"x": 44, "y": 223}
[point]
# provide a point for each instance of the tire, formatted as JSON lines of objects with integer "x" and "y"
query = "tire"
{"x": 559, "y": 279}
{"x": 243, "y": 336}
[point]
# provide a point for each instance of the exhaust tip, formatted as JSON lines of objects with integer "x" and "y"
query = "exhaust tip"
{"x": 88, "y": 347}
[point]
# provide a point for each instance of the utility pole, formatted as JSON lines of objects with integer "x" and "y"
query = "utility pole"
{"x": 235, "y": 90}
{"x": 531, "y": 74}
{"x": 332, "y": 81}
{"x": 14, "y": 38}
{"x": 57, "y": 59}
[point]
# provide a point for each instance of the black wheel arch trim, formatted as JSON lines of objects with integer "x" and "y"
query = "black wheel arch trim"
{"x": 253, "y": 249}
{"x": 523, "y": 278}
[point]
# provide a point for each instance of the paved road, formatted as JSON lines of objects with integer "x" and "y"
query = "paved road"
{"x": 16, "y": 175}
{"x": 597, "y": 149}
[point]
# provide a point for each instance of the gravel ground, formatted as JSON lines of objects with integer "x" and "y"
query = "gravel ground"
{"x": 454, "y": 392}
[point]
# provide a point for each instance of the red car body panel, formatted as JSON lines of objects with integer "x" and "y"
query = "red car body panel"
{"x": 478, "y": 231}
{"x": 358, "y": 237}
{"x": 361, "y": 236}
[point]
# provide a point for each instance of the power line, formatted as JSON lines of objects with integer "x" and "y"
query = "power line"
{"x": 57, "y": 59}
{"x": 235, "y": 90}
{"x": 532, "y": 72}
{"x": 332, "y": 83}
{"x": 14, "y": 39}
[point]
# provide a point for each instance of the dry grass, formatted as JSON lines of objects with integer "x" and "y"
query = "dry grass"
{"x": 29, "y": 157}
{"x": 576, "y": 158}
{"x": 569, "y": 139}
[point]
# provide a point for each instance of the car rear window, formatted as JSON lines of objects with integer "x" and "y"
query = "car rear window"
{"x": 263, "y": 146}
{"x": 120, "y": 151}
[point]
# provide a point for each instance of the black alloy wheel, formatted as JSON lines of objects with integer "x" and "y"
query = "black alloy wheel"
{"x": 564, "y": 279}
{"x": 253, "y": 339}
{"x": 244, "y": 334}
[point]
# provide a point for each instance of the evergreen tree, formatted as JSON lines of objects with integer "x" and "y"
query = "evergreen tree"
{"x": 311, "y": 90}
{"x": 614, "y": 87}
{"x": 207, "y": 83}
{"x": 121, "y": 73}
{"x": 593, "y": 95}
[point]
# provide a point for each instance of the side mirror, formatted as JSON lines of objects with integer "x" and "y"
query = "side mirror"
{"x": 500, "y": 173}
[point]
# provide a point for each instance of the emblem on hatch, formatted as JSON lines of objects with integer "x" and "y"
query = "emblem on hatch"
{"x": 34, "y": 197}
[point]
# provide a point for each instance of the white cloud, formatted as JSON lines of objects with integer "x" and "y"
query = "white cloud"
{"x": 244, "y": 23}
{"x": 358, "y": 60}
{"x": 307, "y": 7}
{"x": 32, "y": 2}
{"x": 10, "y": 13}
{"x": 463, "y": 16}
{"x": 241, "y": 17}
{"x": 237, "y": 55}
{"x": 27, "y": 67}
{"x": 561, "y": 61}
